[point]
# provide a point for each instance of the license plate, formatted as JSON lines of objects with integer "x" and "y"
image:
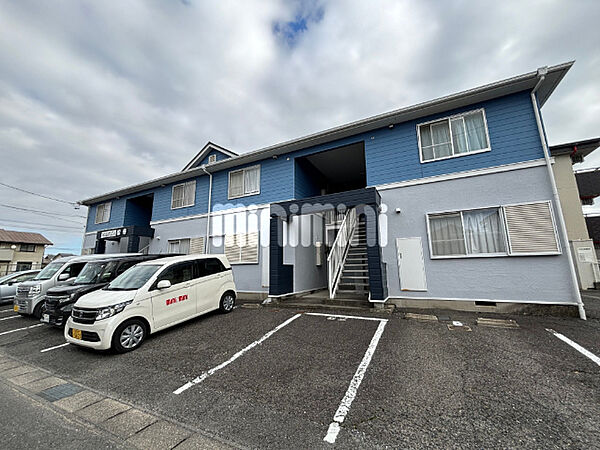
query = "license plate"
{"x": 45, "y": 318}
{"x": 76, "y": 334}
{"x": 16, "y": 308}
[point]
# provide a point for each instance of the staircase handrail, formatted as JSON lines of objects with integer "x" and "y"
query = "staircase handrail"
{"x": 339, "y": 250}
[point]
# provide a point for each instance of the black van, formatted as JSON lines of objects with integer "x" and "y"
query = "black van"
{"x": 95, "y": 275}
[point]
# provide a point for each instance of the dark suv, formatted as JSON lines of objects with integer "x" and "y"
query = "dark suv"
{"x": 95, "y": 275}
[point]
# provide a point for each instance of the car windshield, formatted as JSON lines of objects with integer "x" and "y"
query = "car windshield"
{"x": 91, "y": 273}
{"x": 49, "y": 271}
{"x": 133, "y": 278}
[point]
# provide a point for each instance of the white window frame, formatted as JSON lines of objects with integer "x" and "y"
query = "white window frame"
{"x": 184, "y": 186}
{"x": 178, "y": 241}
{"x": 505, "y": 232}
{"x": 448, "y": 119}
{"x": 244, "y": 170}
{"x": 212, "y": 159}
{"x": 97, "y": 219}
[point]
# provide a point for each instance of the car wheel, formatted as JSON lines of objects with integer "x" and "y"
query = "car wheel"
{"x": 227, "y": 302}
{"x": 37, "y": 311}
{"x": 129, "y": 336}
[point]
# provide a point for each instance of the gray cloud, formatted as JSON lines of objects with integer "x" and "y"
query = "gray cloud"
{"x": 98, "y": 95}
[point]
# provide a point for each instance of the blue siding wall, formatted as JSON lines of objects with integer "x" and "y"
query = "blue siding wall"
{"x": 162, "y": 201}
{"x": 118, "y": 213}
{"x": 220, "y": 156}
{"x": 136, "y": 214}
{"x": 276, "y": 184}
{"x": 306, "y": 180}
{"x": 391, "y": 155}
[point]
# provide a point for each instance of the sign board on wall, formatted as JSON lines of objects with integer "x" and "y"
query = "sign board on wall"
{"x": 585, "y": 254}
{"x": 113, "y": 233}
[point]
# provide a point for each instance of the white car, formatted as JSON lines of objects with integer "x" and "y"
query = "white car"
{"x": 149, "y": 297}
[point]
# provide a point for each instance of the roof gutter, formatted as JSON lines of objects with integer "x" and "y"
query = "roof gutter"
{"x": 541, "y": 73}
{"x": 210, "y": 177}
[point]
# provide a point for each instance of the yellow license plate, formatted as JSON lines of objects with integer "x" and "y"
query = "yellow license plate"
{"x": 16, "y": 308}
{"x": 76, "y": 334}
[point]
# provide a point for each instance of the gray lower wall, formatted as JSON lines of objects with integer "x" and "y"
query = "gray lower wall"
{"x": 512, "y": 278}
{"x": 183, "y": 229}
{"x": 247, "y": 276}
{"x": 515, "y": 278}
{"x": 89, "y": 241}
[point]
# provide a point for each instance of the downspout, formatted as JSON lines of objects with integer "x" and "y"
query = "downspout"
{"x": 206, "y": 246}
{"x": 561, "y": 219}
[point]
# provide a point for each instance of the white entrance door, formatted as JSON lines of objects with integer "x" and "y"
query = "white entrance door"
{"x": 411, "y": 266}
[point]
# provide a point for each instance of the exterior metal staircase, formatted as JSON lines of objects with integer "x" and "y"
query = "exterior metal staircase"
{"x": 354, "y": 278}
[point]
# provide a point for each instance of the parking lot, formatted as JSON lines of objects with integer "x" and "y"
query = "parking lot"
{"x": 268, "y": 377}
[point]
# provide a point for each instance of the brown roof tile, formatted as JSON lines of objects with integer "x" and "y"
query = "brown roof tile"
{"x": 23, "y": 237}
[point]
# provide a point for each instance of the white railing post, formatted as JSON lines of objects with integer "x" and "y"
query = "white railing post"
{"x": 339, "y": 250}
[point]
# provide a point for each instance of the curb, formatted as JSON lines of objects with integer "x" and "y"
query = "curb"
{"x": 123, "y": 422}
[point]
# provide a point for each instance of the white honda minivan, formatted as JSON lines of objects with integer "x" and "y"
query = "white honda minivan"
{"x": 148, "y": 297}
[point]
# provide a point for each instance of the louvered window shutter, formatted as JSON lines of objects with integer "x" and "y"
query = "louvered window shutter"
{"x": 242, "y": 248}
{"x": 232, "y": 250}
{"x": 249, "y": 251}
{"x": 531, "y": 228}
{"x": 197, "y": 245}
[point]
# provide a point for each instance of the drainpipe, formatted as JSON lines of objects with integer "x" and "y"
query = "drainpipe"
{"x": 206, "y": 246}
{"x": 561, "y": 219}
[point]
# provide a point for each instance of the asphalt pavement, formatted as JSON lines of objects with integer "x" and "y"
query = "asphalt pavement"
{"x": 278, "y": 378}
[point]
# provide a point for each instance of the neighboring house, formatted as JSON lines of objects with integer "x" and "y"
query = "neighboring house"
{"x": 575, "y": 189}
{"x": 450, "y": 200}
{"x": 21, "y": 250}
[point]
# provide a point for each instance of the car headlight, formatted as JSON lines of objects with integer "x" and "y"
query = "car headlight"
{"x": 109, "y": 311}
{"x": 66, "y": 299}
{"x": 35, "y": 289}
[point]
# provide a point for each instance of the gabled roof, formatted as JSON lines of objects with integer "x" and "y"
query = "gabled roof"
{"x": 209, "y": 147}
{"x": 23, "y": 237}
{"x": 508, "y": 86}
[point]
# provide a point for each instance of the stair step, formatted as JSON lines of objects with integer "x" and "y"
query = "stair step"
{"x": 351, "y": 294}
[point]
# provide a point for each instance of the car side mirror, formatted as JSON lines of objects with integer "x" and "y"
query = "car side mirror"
{"x": 63, "y": 277}
{"x": 163, "y": 284}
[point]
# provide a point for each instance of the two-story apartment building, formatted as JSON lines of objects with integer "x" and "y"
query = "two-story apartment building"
{"x": 450, "y": 200}
{"x": 21, "y": 250}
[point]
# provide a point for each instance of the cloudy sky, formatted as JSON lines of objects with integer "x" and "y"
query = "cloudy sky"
{"x": 96, "y": 95}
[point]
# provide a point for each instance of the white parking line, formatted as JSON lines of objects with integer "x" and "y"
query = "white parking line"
{"x": 20, "y": 329}
{"x": 340, "y": 414}
{"x": 6, "y": 310}
{"x": 347, "y": 317}
{"x": 52, "y": 348}
{"x": 575, "y": 345}
{"x": 10, "y": 317}
{"x": 205, "y": 375}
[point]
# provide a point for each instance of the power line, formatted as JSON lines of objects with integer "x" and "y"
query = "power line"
{"x": 49, "y": 230}
{"x": 44, "y": 213}
{"x": 44, "y": 224}
{"x": 39, "y": 195}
